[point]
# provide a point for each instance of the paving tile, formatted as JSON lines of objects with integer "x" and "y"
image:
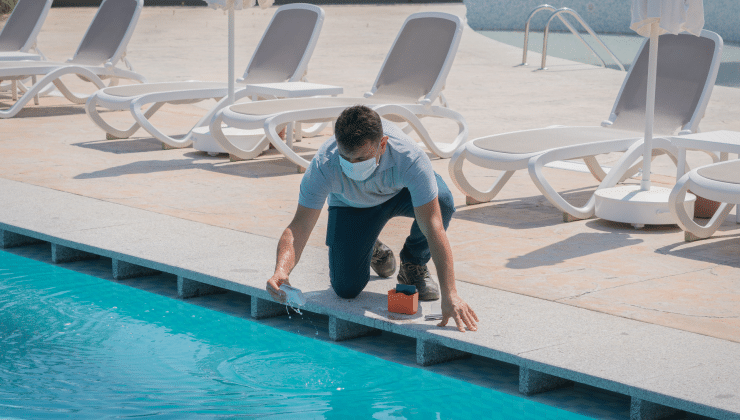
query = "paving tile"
{"x": 705, "y": 302}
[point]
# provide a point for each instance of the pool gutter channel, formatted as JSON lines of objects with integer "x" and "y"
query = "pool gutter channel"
{"x": 348, "y": 320}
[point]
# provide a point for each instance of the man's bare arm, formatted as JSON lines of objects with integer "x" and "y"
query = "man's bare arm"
{"x": 429, "y": 218}
{"x": 290, "y": 248}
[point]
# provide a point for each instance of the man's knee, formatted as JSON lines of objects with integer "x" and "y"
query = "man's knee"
{"x": 344, "y": 291}
{"x": 346, "y": 288}
{"x": 347, "y": 279}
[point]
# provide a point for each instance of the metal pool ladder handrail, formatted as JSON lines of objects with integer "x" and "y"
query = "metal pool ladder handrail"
{"x": 557, "y": 13}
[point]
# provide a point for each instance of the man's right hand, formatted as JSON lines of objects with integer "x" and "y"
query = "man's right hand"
{"x": 273, "y": 288}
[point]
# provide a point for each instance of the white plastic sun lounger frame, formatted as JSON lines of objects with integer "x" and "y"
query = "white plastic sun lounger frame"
{"x": 30, "y": 43}
{"x": 409, "y": 112}
{"x": 534, "y": 162}
{"x": 137, "y": 103}
{"x": 94, "y": 74}
{"x": 726, "y": 193}
{"x": 22, "y": 53}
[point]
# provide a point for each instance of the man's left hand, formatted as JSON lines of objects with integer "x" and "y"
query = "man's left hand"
{"x": 456, "y": 308}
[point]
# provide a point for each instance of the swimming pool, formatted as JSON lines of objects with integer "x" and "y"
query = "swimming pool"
{"x": 566, "y": 45}
{"x": 76, "y": 346}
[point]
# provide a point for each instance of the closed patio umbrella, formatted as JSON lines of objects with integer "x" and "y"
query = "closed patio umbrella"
{"x": 652, "y": 18}
{"x": 230, "y": 6}
{"x": 646, "y": 205}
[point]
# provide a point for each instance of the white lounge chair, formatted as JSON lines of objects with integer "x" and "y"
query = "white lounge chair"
{"x": 102, "y": 47}
{"x": 18, "y": 36}
{"x": 687, "y": 69}
{"x": 410, "y": 80}
{"x": 719, "y": 181}
{"x": 282, "y": 55}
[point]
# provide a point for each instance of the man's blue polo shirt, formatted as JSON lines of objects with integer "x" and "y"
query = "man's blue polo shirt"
{"x": 403, "y": 165}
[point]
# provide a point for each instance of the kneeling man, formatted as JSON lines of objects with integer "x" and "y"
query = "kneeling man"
{"x": 371, "y": 171}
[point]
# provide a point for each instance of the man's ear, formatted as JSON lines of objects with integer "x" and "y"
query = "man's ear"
{"x": 383, "y": 143}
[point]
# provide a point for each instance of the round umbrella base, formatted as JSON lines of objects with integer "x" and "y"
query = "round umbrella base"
{"x": 243, "y": 139}
{"x": 629, "y": 204}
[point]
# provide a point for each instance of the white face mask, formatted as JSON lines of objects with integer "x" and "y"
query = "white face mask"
{"x": 359, "y": 171}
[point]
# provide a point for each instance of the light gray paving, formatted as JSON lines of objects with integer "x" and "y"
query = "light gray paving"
{"x": 123, "y": 270}
{"x": 533, "y": 382}
{"x": 645, "y": 410}
{"x": 431, "y": 352}
{"x": 187, "y": 288}
{"x": 651, "y": 363}
{"x": 340, "y": 330}
{"x": 262, "y": 308}
{"x": 63, "y": 254}
{"x": 10, "y": 239}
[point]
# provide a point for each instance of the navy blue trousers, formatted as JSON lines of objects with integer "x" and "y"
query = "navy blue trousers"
{"x": 352, "y": 232}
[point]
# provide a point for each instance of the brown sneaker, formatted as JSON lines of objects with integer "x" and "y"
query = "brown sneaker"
{"x": 383, "y": 262}
{"x": 418, "y": 275}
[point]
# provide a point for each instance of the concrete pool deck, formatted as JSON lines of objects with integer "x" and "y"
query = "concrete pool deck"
{"x": 557, "y": 298}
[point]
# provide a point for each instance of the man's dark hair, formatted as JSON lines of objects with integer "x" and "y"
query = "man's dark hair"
{"x": 356, "y": 126}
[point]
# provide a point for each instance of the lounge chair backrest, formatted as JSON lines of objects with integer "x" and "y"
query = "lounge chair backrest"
{"x": 420, "y": 59}
{"x": 286, "y": 46}
{"x": 687, "y": 70}
{"x": 23, "y": 25}
{"x": 107, "y": 37}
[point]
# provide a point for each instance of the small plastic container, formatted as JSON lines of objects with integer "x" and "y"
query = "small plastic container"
{"x": 293, "y": 296}
{"x": 401, "y": 303}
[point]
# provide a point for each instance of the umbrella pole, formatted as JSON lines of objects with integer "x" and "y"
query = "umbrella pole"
{"x": 647, "y": 154}
{"x": 231, "y": 56}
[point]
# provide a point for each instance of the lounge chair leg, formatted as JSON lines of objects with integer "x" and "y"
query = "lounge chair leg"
{"x": 235, "y": 158}
{"x": 567, "y": 218}
{"x": 472, "y": 201}
{"x": 690, "y": 237}
{"x": 298, "y": 136}
{"x": 35, "y": 97}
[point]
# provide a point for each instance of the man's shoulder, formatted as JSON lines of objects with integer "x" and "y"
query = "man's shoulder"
{"x": 326, "y": 151}
{"x": 404, "y": 149}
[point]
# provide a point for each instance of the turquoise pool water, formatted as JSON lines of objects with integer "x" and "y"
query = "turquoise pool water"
{"x": 76, "y": 346}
